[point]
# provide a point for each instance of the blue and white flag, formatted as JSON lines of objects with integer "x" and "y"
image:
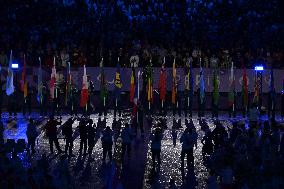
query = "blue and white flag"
{"x": 10, "y": 78}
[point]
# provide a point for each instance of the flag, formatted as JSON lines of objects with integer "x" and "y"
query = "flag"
{"x": 245, "y": 88}
{"x": 150, "y": 85}
{"x": 103, "y": 90}
{"x": 84, "y": 91}
{"x": 39, "y": 83}
{"x": 135, "y": 100}
{"x": 232, "y": 86}
{"x": 174, "y": 84}
{"x": 68, "y": 93}
{"x": 10, "y": 78}
{"x": 52, "y": 80}
{"x": 117, "y": 82}
{"x": 132, "y": 85}
{"x": 162, "y": 84}
{"x": 256, "y": 92}
{"x": 215, "y": 88}
{"x": 271, "y": 86}
{"x": 23, "y": 80}
{"x": 191, "y": 83}
{"x": 202, "y": 86}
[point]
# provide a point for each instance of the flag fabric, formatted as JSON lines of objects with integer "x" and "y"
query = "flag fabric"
{"x": 256, "y": 89}
{"x": 271, "y": 86}
{"x": 191, "y": 83}
{"x": 245, "y": 87}
{"x": 215, "y": 88}
{"x": 174, "y": 84}
{"x": 150, "y": 85}
{"x": 232, "y": 86}
{"x": 84, "y": 91}
{"x": 103, "y": 90}
{"x": 256, "y": 93}
{"x": 68, "y": 92}
{"x": 132, "y": 85}
{"x": 52, "y": 80}
{"x": 10, "y": 77}
{"x": 135, "y": 100}
{"x": 23, "y": 80}
{"x": 39, "y": 83}
{"x": 117, "y": 82}
{"x": 162, "y": 84}
{"x": 202, "y": 86}
{"x": 188, "y": 81}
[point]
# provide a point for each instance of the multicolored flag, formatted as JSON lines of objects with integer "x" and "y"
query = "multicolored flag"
{"x": 202, "y": 86}
{"x": 174, "y": 84}
{"x": 10, "y": 77}
{"x": 39, "y": 83}
{"x": 215, "y": 88}
{"x": 117, "y": 81}
{"x": 68, "y": 92}
{"x": 232, "y": 86}
{"x": 132, "y": 85}
{"x": 150, "y": 85}
{"x": 245, "y": 88}
{"x": 53, "y": 80}
{"x": 24, "y": 83}
{"x": 162, "y": 83}
{"x": 84, "y": 91}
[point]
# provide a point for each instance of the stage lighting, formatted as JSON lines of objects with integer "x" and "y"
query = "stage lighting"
{"x": 15, "y": 65}
{"x": 258, "y": 68}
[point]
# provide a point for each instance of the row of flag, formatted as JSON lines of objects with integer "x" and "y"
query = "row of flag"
{"x": 134, "y": 84}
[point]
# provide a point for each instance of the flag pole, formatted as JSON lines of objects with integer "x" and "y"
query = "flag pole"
{"x": 138, "y": 79}
{"x": 116, "y": 95}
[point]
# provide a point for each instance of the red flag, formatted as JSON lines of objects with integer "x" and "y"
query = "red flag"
{"x": 132, "y": 85}
{"x": 53, "y": 80}
{"x": 84, "y": 91}
{"x": 162, "y": 84}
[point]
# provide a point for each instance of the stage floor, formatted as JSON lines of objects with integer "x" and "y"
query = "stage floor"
{"x": 136, "y": 172}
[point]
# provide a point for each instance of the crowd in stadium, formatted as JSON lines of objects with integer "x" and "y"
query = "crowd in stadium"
{"x": 83, "y": 32}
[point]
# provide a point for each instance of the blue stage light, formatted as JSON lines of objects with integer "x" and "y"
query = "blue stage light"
{"x": 258, "y": 68}
{"x": 15, "y": 65}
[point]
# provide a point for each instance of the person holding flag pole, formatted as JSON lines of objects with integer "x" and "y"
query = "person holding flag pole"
{"x": 163, "y": 87}
{"x": 232, "y": 93}
{"x": 118, "y": 86}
